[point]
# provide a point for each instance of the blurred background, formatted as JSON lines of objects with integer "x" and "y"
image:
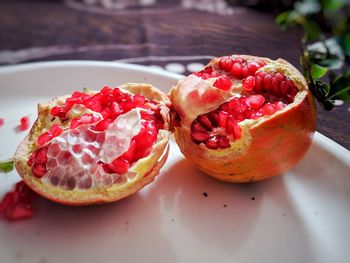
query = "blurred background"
{"x": 177, "y": 35}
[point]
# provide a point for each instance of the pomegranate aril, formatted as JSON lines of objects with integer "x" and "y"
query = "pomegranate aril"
{"x": 19, "y": 211}
{"x": 139, "y": 100}
{"x": 2, "y": 121}
{"x": 269, "y": 109}
{"x": 223, "y": 142}
{"x": 245, "y": 72}
{"x": 120, "y": 165}
{"x": 55, "y": 111}
{"x": 225, "y": 63}
{"x": 24, "y": 123}
{"x": 130, "y": 154}
{"x": 248, "y": 83}
{"x": 233, "y": 128}
{"x": 205, "y": 121}
{"x": 267, "y": 83}
{"x": 102, "y": 125}
{"x": 255, "y": 101}
{"x": 222, "y": 119}
{"x": 280, "y": 105}
{"x": 259, "y": 82}
{"x": 39, "y": 170}
{"x": 93, "y": 104}
{"x": 199, "y": 137}
{"x": 253, "y": 67}
{"x": 198, "y": 127}
{"x": 41, "y": 155}
{"x": 212, "y": 143}
{"x": 223, "y": 83}
{"x": 236, "y": 70}
{"x": 44, "y": 138}
{"x": 276, "y": 82}
{"x": 283, "y": 88}
{"x": 75, "y": 123}
{"x": 55, "y": 130}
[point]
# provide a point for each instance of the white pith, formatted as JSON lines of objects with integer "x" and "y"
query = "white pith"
{"x": 98, "y": 146}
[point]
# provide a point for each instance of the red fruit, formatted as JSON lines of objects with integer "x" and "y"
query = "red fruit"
{"x": 248, "y": 84}
{"x": 236, "y": 143}
{"x": 24, "y": 123}
{"x": 223, "y": 83}
{"x": 99, "y": 150}
{"x": 236, "y": 70}
{"x": 255, "y": 101}
{"x": 225, "y": 63}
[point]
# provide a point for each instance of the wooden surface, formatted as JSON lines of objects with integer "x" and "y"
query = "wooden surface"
{"x": 179, "y": 32}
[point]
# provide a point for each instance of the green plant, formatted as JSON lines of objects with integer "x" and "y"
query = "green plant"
{"x": 325, "y": 46}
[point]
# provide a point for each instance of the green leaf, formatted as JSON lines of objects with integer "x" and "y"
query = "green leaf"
{"x": 340, "y": 88}
{"x": 6, "y": 166}
{"x": 332, "y": 5}
{"x": 318, "y": 71}
{"x": 312, "y": 30}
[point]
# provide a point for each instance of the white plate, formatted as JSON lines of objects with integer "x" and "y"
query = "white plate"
{"x": 302, "y": 216}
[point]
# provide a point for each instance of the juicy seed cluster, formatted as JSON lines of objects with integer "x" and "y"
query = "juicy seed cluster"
{"x": 17, "y": 204}
{"x": 263, "y": 94}
{"x": 239, "y": 67}
{"x": 106, "y": 105}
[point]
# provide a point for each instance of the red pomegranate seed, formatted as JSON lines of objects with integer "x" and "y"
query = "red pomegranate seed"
{"x": 75, "y": 123}
{"x": 222, "y": 119}
{"x": 39, "y": 170}
{"x": 280, "y": 105}
{"x": 276, "y": 82}
{"x": 44, "y": 138}
{"x": 267, "y": 83}
{"x": 248, "y": 83}
{"x": 19, "y": 211}
{"x": 102, "y": 125}
{"x": 55, "y": 111}
{"x": 223, "y": 142}
{"x": 283, "y": 88}
{"x": 2, "y": 121}
{"x": 269, "y": 109}
{"x": 253, "y": 67}
{"x": 198, "y": 127}
{"x": 41, "y": 155}
{"x": 31, "y": 159}
{"x": 120, "y": 165}
{"x": 139, "y": 100}
{"x": 130, "y": 154}
{"x": 198, "y": 136}
{"x": 206, "y": 123}
{"x": 233, "y": 128}
{"x": 24, "y": 123}
{"x": 258, "y": 84}
{"x": 245, "y": 72}
{"x": 93, "y": 104}
{"x": 255, "y": 101}
{"x": 55, "y": 130}
{"x": 225, "y": 63}
{"x": 236, "y": 70}
{"x": 223, "y": 83}
{"x": 77, "y": 148}
{"x": 212, "y": 143}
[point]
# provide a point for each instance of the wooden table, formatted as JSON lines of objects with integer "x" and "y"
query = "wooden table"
{"x": 177, "y": 35}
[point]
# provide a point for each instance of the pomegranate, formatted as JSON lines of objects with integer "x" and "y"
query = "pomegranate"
{"x": 94, "y": 147}
{"x": 244, "y": 118}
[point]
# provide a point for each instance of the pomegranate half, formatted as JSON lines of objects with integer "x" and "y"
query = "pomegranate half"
{"x": 244, "y": 118}
{"x": 95, "y": 147}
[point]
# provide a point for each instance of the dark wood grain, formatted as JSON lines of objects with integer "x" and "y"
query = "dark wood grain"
{"x": 49, "y": 30}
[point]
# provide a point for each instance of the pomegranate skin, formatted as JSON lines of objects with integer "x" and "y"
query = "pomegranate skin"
{"x": 268, "y": 148}
{"x": 145, "y": 168}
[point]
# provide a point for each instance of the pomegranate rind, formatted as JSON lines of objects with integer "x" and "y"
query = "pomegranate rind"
{"x": 139, "y": 175}
{"x": 268, "y": 146}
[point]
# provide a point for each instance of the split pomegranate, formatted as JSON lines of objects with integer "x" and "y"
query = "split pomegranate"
{"x": 244, "y": 118}
{"x": 93, "y": 147}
